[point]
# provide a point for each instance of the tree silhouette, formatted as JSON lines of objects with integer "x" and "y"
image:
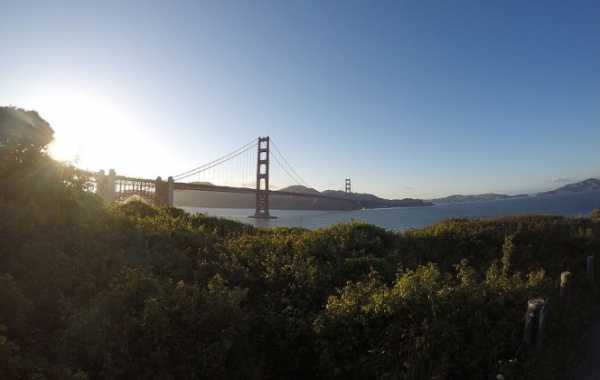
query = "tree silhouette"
{"x": 26, "y": 170}
{"x": 24, "y": 136}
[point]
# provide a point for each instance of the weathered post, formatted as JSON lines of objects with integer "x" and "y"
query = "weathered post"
{"x": 101, "y": 184}
{"x": 170, "y": 189}
{"x": 590, "y": 269}
{"x": 160, "y": 192}
{"x": 110, "y": 190}
{"x": 535, "y": 322}
{"x": 565, "y": 287}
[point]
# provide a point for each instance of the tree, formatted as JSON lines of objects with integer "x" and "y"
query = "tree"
{"x": 24, "y": 136}
{"x": 25, "y": 167}
{"x": 27, "y": 172}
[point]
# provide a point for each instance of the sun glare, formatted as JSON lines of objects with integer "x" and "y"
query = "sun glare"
{"x": 65, "y": 148}
{"x": 90, "y": 133}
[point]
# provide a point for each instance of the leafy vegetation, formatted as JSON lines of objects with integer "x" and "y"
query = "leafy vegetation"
{"x": 89, "y": 291}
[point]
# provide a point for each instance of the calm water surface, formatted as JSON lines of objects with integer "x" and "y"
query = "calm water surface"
{"x": 403, "y": 218}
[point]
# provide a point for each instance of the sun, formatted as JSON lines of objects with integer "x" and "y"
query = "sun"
{"x": 92, "y": 133}
{"x": 65, "y": 148}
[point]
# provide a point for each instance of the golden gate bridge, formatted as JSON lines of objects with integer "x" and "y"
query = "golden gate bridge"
{"x": 257, "y": 168}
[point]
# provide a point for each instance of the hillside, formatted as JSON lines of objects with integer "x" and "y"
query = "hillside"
{"x": 373, "y": 201}
{"x": 590, "y": 184}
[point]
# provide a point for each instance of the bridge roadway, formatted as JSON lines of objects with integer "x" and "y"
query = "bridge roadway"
{"x": 113, "y": 188}
{"x": 118, "y": 188}
{"x": 245, "y": 190}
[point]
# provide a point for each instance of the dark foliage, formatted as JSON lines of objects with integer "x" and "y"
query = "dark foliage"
{"x": 138, "y": 292}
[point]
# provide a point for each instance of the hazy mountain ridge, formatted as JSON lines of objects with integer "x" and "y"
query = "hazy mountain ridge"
{"x": 373, "y": 201}
{"x": 456, "y": 198}
{"x": 300, "y": 189}
{"x": 590, "y": 184}
{"x": 289, "y": 202}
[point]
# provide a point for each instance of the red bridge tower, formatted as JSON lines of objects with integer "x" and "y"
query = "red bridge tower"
{"x": 262, "y": 180}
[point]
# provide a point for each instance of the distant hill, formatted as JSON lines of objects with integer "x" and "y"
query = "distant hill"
{"x": 289, "y": 202}
{"x": 475, "y": 198}
{"x": 590, "y": 184}
{"x": 372, "y": 201}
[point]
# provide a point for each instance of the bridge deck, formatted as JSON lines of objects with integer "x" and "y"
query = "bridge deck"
{"x": 245, "y": 190}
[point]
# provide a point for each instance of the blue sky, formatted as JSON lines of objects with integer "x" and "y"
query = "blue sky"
{"x": 414, "y": 99}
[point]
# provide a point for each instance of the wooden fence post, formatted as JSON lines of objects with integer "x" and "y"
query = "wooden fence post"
{"x": 565, "y": 287}
{"x": 535, "y": 322}
{"x": 590, "y": 269}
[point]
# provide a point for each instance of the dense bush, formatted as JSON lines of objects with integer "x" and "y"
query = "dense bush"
{"x": 133, "y": 291}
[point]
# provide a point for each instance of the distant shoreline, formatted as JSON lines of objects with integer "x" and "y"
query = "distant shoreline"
{"x": 590, "y": 184}
{"x": 459, "y": 198}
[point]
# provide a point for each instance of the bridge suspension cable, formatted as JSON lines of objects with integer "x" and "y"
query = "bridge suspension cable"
{"x": 251, "y": 145}
{"x": 296, "y": 177}
{"x": 239, "y": 169}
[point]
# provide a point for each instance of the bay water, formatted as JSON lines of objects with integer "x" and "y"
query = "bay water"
{"x": 403, "y": 218}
